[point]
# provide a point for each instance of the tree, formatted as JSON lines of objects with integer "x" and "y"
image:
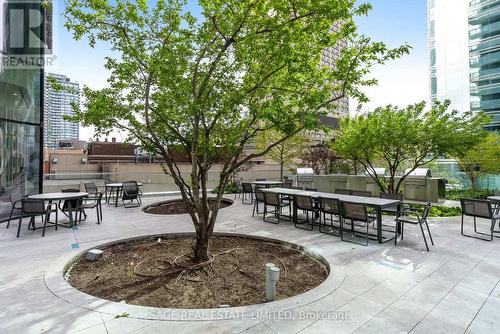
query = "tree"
{"x": 286, "y": 153}
{"x": 320, "y": 158}
{"x": 407, "y": 138}
{"x": 206, "y": 85}
{"x": 482, "y": 159}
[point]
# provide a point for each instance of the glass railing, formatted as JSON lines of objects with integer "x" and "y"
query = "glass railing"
{"x": 151, "y": 182}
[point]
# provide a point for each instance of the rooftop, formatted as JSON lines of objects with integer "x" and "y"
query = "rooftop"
{"x": 379, "y": 288}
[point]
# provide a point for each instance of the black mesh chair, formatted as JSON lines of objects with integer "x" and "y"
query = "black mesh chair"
{"x": 355, "y": 212}
{"x": 477, "y": 208}
{"x": 330, "y": 207}
{"x": 239, "y": 188}
{"x": 89, "y": 203}
{"x": 15, "y": 197}
{"x": 361, "y": 193}
{"x": 273, "y": 200}
{"x": 311, "y": 189}
{"x": 412, "y": 216}
{"x": 306, "y": 204}
{"x": 343, "y": 191}
{"x": 395, "y": 209}
{"x": 259, "y": 198}
{"x": 32, "y": 208}
{"x": 131, "y": 193}
{"x": 91, "y": 188}
{"x": 72, "y": 205}
{"x": 247, "y": 192}
{"x": 287, "y": 184}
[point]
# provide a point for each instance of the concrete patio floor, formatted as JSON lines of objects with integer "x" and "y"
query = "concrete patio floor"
{"x": 454, "y": 288}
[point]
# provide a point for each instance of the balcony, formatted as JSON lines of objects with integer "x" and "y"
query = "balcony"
{"x": 483, "y": 12}
{"x": 485, "y": 89}
{"x": 485, "y": 45}
{"x": 485, "y": 105}
{"x": 485, "y": 29}
{"x": 485, "y": 59}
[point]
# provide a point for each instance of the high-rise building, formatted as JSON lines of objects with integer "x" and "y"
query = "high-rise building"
{"x": 21, "y": 103}
{"x": 448, "y": 38}
{"x": 59, "y": 102}
{"x": 484, "y": 43}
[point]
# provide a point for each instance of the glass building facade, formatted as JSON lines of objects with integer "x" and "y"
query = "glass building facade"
{"x": 21, "y": 105}
{"x": 484, "y": 42}
{"x": 449, "y": 53}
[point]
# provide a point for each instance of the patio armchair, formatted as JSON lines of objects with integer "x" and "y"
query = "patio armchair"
{"x": 311, "y": 189}
{"x": 355, "y": 212}
{"x": 478, "y": 208}
{"x": 414, "y": 217}
{"x": 259, "y": 198}
{"x": 247, "y": 192}
{"x": 15, "y": 197}
{"x": 331, "y": 207}
{"x": 273, "y": 200}
{"x": 287, "y": 183}
{"x": 307, "y": 205}
{"x": 239, "y": 188}
{"x": 92, "y": 202}
{"x": 342, "y": 191}
{"x": 32, "y": 208}
{"x": 361, "y": 193}
{"x": 131, "y": 193}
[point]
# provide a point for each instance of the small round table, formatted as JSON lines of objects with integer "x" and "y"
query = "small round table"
{"x": 115, "y": 188}
{"x": 60, "y": 196}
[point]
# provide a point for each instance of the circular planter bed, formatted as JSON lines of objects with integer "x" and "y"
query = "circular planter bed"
{"x": 178, "y": 206}
{"x": 158, "y": 272}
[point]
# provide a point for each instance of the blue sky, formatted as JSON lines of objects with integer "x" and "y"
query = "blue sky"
{"x": 394, "y": 22}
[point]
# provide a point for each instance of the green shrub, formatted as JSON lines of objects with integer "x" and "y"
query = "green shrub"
{"x": 231, "y": 188}
{"x": 457, "y": 194}
{"x": 439, "y": 210}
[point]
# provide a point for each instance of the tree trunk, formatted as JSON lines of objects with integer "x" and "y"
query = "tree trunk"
{"x": 281, "y": 171}
{"x": 201, "y": 247}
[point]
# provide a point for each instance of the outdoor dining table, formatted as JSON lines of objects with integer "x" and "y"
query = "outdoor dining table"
{"x": 267, "y": 184}
{"x": 115, "y": 188}
{"x": 60, "y": 196}
{"x": 377, "y": 203}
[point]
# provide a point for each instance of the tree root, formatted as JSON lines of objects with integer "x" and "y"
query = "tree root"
{"x": 285, "y": 269}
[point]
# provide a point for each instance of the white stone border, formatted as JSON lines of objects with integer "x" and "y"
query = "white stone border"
{"x": 59, "y": 287}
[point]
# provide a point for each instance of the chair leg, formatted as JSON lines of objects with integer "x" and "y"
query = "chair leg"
{"x": 45, "y": 224}
{"x": 423, "y": 235}
{"x": 98, "y": 215}
{"x": 19, "y": 226}
{"x": 254, "y": 205}
{"x": 10, "y": 216}
{"x": 429, "y": 231}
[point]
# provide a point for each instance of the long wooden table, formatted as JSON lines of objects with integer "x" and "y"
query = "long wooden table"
{"x": 377, "y": 203}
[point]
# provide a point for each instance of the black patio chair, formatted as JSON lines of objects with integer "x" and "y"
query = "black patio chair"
{"x": 311, "y": 189}
{"x": 393, "y": 210}
{"x": 412, "y": 216}
{"x": 247, "y": 192}
{"x": 361, "y": 193}
{"x": 15, "y": 197}
{"x": 287, "y": 184}
{"x": 72, "y": 205}
{"x": 34, "y": 207}
{"x": 239, "y": 188}
{"x": 331, "y": 207}
{"x": 355, "y": 212}
{"x": 273, "y": 200}
{"x": 92, "y": 202}
{"x": 259, "y": 198}
{"x": 296, "y": 187}
{"x": 307, "y": 205}
{"x": 478, "y": 208}
{"x": 343, "y": 191}
{"x": 131, "y": 193}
